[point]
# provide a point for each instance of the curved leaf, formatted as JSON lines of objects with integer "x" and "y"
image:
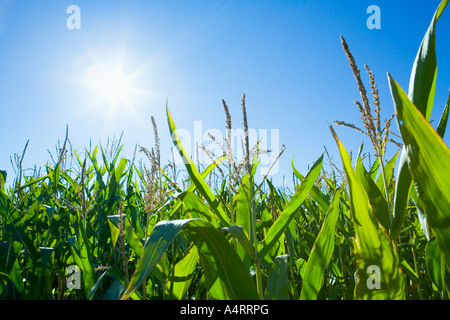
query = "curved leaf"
{"x": 321, "y": 253}
{"x": 278, "y": 283}
{"x": 183, "y": 273}
{"x": 214, "y": 250}
{"x": 373, "y": 248}
{"x": 193, "y": 186}
{"x": 280, "y": 225}
{"x": 196, "y": 177}
{"x": 429, "y": 164}
{"x": 421, "y": 92}
{"x": 196, "y": 209}
{"x": 435, "y": 264}
{"x": 444, "y": 118}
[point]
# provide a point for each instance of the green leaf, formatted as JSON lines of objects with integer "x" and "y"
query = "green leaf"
{"x": 114, "y": 231}
{"x": 373, "y": 249}
{"x": 444, "y": 119}
{"x": 195, "y": 208}
{"x": 409, "y": 271}
{"x": 114, "y": 291}
{"x": 282, "y": 222}
{"x": 120, "y": 170}
{"x": 429, "y": 163}
{"x": 315, "y": 192}
{"x": 200, "y": 183}
{"x": 420, "y": 214}
{"x": 46, "y": 254}
{"x": 193, "y": 186}
{"x": 75, "y": 250}
{"x": 389, "y": 170}
{"x": 33, "y": 182}
{"x": 96, "y": 285}
{"x": 421, "y": 92}
{"x": 214, "y": 250}
{"x": 2, "y": 180}
{"x": 117, "y": 288}
{"x": 16, "y": 277}
{"x": 278, "y": 284}
{"x": 183, "y": 273}
{"x": 239, "y": 233}
{"x": 83, "y": 259}
{"x": 435, "y": 264}
{"x": 321, "y": 253}
{"x": 423, "y": 77}
{"x": 242, "y": 218}
{"x": 376, "y": 198}
{"x": 401, "y": 196}
{"x": 242, "y": 204}
{"x": 130, "y": 235}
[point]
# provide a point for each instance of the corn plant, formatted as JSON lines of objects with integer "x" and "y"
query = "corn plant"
{"x": 423, "y": 145}
{"x": 96, "y": 225}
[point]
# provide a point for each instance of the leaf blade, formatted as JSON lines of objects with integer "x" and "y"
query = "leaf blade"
{"x": 424, "y": 146}
{"x": 321, "y": 253}
{"x": 372, "y": 245}
{"x": 212, "y": 247}
{"x": 282, "y": 222}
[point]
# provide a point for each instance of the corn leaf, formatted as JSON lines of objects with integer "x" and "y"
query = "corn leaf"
{"x": 444, "y": 119}
{"x": 421, "y": 92}
{"x": 16, "y": 277}
{"x": 377, "y": 200}
{"x": 212, "y": 247}
{"x": 435, "y": 264}
{"x": 282, "y": 222}
{"x": 422, "y": 84}
{"x": 193, "y": 186}
{"x": 389, "y": 171}
{"x": 429, "y": 163}
{"x": 242, "y": 205}
{"x": 278, "y": 283}
{"x": 82, "y": 258}
{"x": 315, "y": 192}
{"x": 130, "y": 235}
{"x": 239, "y": 233}
{"x": 183, "y": 273}
{"x": 373, "y": 249}
{"x": 2, "y": 180}
{"x": 321, "y": 253}
{"x": 196, "y": 209}
{"x": 196, "y": 177}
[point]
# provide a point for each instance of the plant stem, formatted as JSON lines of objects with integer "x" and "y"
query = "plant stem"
{"x": 230, "y": 196}
{"x": 416, "y": 267}
{"x": 259, "y": 284}
{"x": 386, "y": 188}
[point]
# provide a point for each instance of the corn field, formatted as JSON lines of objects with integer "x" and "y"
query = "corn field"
{"x": 104, "y": 228}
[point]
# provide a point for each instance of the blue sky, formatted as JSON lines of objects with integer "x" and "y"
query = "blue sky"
{"x": 285, "y": 55}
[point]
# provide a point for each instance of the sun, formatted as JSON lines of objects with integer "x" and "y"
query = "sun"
{"x": 109, "y": 84}
{"x": 113, "y": 80}
{"x": 115, "y": 84}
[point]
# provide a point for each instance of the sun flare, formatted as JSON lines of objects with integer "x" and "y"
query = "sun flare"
{"x": 109, "y": 85}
